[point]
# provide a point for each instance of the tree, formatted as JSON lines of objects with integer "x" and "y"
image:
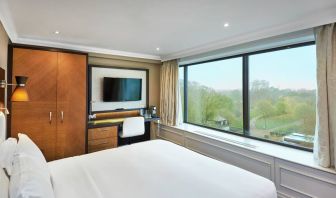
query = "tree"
{"x": 306, "y": 113}
{"x": 265, "y": 109}
{"x": 281, "y": 107}
{"x": 259, "y": 85}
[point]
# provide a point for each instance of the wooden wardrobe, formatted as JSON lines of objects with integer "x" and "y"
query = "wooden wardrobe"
{"x": 55, "y": 117}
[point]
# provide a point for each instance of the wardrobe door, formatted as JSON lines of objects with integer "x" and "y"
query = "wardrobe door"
{"x": 36, "y": 118}
{"x": 71, "y": 104}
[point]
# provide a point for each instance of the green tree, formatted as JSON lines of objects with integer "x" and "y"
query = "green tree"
{"x": 281, "y": 107}
{"x": 265, "y": 110}
{"x": 306, "y": 113}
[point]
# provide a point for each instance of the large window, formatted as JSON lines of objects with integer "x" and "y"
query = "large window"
{"x": 215, "y": 95}
{"x": 269, "y": 95}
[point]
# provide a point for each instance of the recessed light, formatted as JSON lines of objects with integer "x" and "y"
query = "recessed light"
{"x": 157, "y": 49}
{"x": 57, "y": 32}
{"x": 226, "y": 24}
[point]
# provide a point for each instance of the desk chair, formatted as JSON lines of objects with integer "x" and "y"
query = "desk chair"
{"x": 133, "y": 126}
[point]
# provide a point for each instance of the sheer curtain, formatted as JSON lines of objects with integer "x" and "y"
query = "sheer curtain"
{"x": 170, "y": 100}
{"x": 325, "y": 138}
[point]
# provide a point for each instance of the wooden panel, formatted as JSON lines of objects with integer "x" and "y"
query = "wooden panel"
{"x": 251, "y": 161}
{"x": 243, "y": 158}
{"x": 41, "y": 69}
{"x": 300, "y": 181}
{"x": 291, "y": 179}
{"x": 118, "y": 114}
{"x": 2, "y": 90}
{"x": 102, "y": 144}
{"x": 71, "y": 100}
{"x": 171, "y": 135}
{"x": 32, "y": 118}
{"x": 104, "y": 132}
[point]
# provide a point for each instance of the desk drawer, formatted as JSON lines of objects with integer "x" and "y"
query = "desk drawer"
{"x": 102, "y": 144}
{"x": 104, "y": 132}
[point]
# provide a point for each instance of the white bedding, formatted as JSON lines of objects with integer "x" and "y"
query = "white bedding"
{"x": 151, "y": 169}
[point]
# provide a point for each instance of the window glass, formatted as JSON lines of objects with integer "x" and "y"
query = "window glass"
{"x": 282, "y": 95}
{"x": 215, "y": 95}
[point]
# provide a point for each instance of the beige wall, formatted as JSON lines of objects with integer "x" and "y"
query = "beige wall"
{"x": 3, "y": 47}
{"x": 3, "y": 60}
{"x": 120, "y": 61}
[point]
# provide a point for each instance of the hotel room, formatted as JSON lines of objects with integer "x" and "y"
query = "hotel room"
{"x": 162, "y": 99}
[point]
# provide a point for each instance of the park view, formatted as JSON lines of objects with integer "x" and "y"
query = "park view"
{"x": 282, "y": 95}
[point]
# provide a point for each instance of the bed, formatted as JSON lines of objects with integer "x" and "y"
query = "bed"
{"x": 151, "y": 169}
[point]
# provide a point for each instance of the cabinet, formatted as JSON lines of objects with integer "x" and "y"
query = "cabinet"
{"x": 102, "y": 138}
{"x": 55, "y": 116}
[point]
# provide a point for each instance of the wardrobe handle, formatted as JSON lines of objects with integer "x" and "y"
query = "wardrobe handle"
{"x": 50, "y": 116}
{"x": 62, "y": 116}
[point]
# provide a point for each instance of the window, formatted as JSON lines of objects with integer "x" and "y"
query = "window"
{"x": 283, "y": 95}
{"x": 215, "y": 95}
{"x": 268, "y": 95}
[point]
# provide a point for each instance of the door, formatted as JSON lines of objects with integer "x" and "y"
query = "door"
{"x": 71, "y": 104}
{"x": 36, "y": 118}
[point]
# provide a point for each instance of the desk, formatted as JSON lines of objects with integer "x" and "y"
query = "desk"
{"x": 113, "y": 122}
{"x": 103, "y": 134}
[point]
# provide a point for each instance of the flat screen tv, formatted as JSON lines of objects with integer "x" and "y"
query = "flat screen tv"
{"x": 121, "y": 89}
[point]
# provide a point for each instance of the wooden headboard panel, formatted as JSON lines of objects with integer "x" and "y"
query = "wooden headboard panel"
{"x": 2, "y": 90}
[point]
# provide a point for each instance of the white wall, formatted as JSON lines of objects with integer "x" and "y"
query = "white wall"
{"x": 98, "y": 73}
{"x": 4, "y": 40}
{"x": 3, "y": 47}
{"x": 268, "y": 43}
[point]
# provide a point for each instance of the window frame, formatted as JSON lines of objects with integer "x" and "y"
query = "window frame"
{"x": 245, "y": 91}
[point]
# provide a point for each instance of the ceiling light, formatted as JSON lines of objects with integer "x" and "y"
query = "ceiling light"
{"x": 226, "y": 24}
{"x": 157, "y": 49}
{"x": 57, "y": 32}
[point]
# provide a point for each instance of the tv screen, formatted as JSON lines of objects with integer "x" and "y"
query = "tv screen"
{"x": 122, "y": 89}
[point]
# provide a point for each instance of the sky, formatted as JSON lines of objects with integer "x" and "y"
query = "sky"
{"x": 285, "y": 69}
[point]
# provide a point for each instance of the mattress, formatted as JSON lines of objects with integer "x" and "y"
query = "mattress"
{"x": 151, "y": 169}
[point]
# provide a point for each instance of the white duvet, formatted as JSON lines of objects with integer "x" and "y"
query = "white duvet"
{"x": 151, "y": 169}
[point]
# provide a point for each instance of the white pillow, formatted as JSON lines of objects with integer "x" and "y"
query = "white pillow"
{"x": 27, "y": 146}
{"x": 7, "y": 150}
{"x": 4, "y": 184}
{"x": 30, "y": 178}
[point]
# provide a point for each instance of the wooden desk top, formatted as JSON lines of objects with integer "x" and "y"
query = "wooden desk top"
{"x": 113, "y": 122}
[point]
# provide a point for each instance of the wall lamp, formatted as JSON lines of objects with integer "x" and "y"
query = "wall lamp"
{"x": 20, "y": 93}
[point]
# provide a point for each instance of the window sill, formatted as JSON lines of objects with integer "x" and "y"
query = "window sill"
{"x": 305, "y": 158}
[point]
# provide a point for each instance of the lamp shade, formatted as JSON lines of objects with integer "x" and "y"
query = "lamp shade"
{"x": 21, "y": 80}
{"x": 20, "y": 93}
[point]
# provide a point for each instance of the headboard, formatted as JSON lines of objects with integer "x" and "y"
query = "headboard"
{"x": 2, "y": 90}
{"x": 2, "y": 105}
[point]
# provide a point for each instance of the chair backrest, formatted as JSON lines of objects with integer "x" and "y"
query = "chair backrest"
{"x": 133, "y": 126}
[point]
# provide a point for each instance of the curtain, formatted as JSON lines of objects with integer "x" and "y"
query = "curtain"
{"x": 170, "y": 102}
{"x": 325, "y": 137}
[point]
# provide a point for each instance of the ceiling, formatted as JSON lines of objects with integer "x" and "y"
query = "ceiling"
{"x": 137, "y": 27}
